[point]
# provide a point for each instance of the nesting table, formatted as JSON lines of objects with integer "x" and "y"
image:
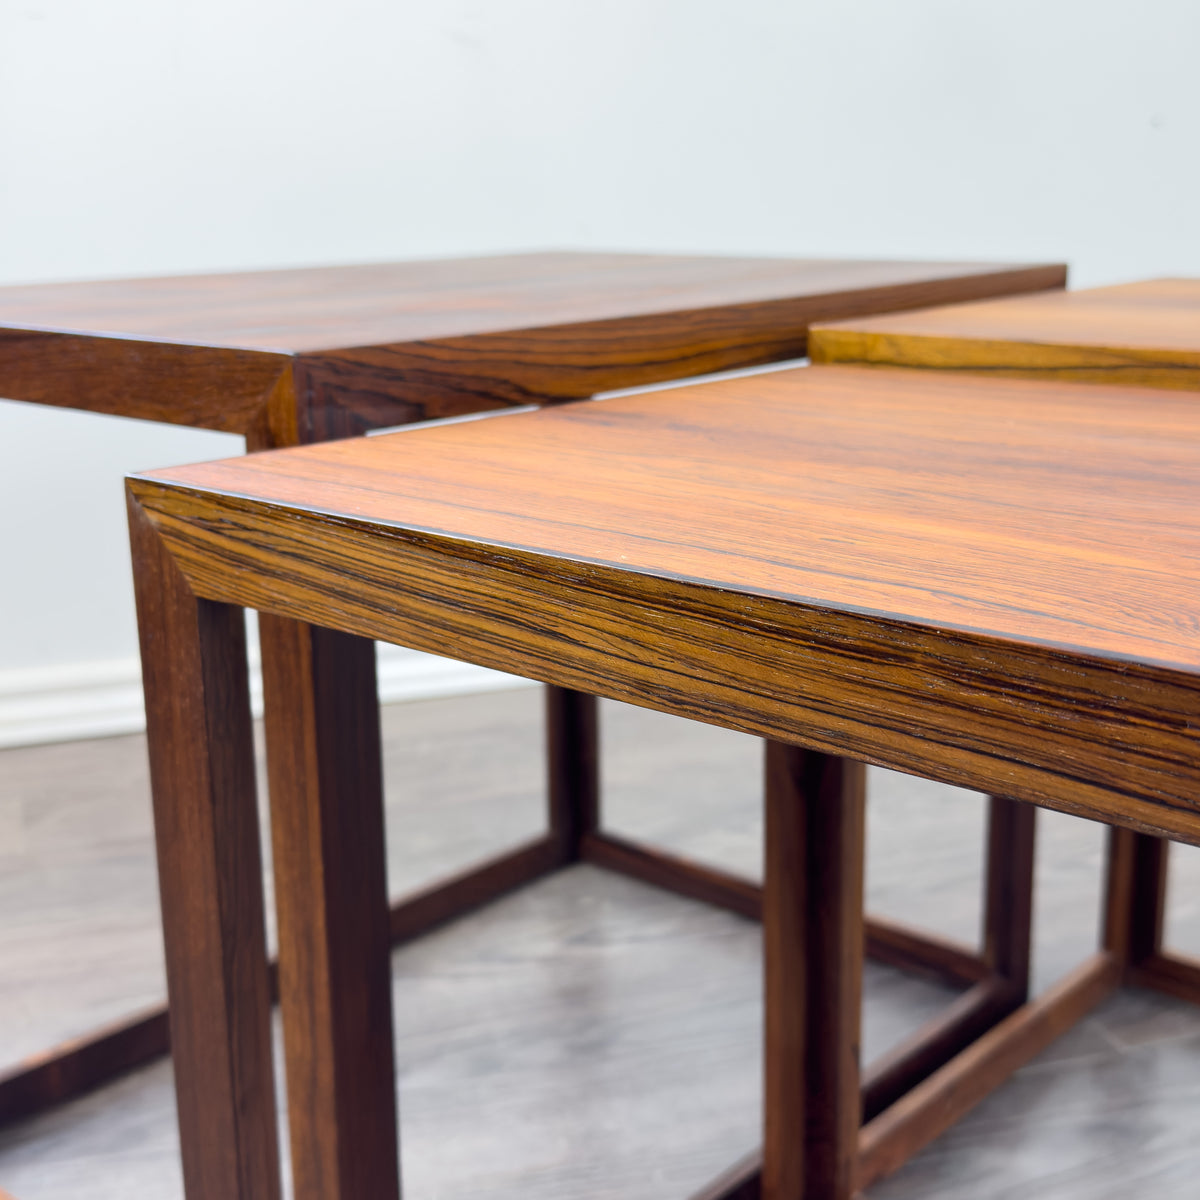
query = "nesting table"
{"x": 1145, "y": 333}
{"x": 859, "y": 565}
{"x": 299, "y": 356}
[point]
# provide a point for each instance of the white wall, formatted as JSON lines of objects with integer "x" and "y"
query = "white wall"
{"x": 152, "y": 136}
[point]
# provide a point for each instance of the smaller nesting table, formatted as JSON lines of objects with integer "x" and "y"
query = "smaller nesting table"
{"x": 1144, "y": 334}
{"x": 861, "y": 566}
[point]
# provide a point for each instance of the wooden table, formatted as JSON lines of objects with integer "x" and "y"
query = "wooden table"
{"x": 861, "y": 566}
{"x": 1145, "y": 333}
{"x": 286, "y": 357}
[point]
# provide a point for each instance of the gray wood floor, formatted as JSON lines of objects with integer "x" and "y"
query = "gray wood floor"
{"x": 588, "y": 1036}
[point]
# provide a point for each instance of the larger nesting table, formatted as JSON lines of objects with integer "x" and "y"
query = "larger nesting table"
{"x": 287, "y": 357}
{"x": 985, "y": 582}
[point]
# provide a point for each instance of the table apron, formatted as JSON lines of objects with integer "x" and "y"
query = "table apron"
{"x": 1106, "y": 739}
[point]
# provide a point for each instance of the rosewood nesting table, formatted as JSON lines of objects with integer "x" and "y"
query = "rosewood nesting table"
{"x": 297, "y": 356}
{"x": 1146, "y": 334}
{"x": 991, "y": 583}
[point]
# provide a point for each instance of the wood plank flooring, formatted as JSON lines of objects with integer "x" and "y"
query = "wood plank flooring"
{"x": 587, "y": 1037}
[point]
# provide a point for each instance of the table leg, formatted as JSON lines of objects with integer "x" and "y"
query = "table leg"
{"x": 573, "y": 768}
{"x": 210, "y": 878}
{"x": 1135, "y": 896}
{"x": 813, "y": 952}
{"x": 1008, "y": 892}
{"x": 335, "y": 997}
{"x": 1135, "y": 916}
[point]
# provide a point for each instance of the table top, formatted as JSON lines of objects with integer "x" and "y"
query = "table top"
{"x": 328, "y": 308}
{"x": 336, "y": 350}
{"x": 930, "y": 559}
{"x": 1142, "y": 334}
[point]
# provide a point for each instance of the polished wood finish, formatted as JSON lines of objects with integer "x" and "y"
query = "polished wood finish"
{"x": 210, "y": 877}
{"x": 300, "y": 355}
{"x": 335, "y": 987}
{"x": 882, "y": 489}
{"x": 812, "y": 992}
{"x": 1145, "y": 333}
{"x": 303, "y": 355}
{"x": 1138, "y": 334}
{"x": 931, "y": 592}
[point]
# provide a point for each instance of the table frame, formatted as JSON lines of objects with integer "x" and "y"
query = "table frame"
{"x": 275, "y": 398}
{"x": 199, "y": 555}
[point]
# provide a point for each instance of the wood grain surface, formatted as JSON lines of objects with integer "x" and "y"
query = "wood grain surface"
{"x": 1146, "y": 334}
{"x": 289, "y": 356}
{"x": 1008, "y": 892}
{"x": 1139, "y": 334}
{"x": 812, "y": 990}
{"x": 991, "y": 583}
{"x": 327, "y": 832}
{"x": 302, "y": 355}
{"x": 210, "y": 878}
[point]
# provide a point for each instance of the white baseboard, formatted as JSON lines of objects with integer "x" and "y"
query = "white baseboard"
{"x": 72, "y": 701}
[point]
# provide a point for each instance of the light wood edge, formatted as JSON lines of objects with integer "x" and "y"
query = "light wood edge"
{"x": 1129, "y": 367}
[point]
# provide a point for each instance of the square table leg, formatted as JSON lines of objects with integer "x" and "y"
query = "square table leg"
{"x": 813, "y": 955}
{"x": 327, "y": 828}
{"x": 1135, "y": 900}
{"x": 1008, "y": 893}
{"x": 572, "y": 769}
{"x": 1135, "y": 896}
{"x": 210, "y": 878}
